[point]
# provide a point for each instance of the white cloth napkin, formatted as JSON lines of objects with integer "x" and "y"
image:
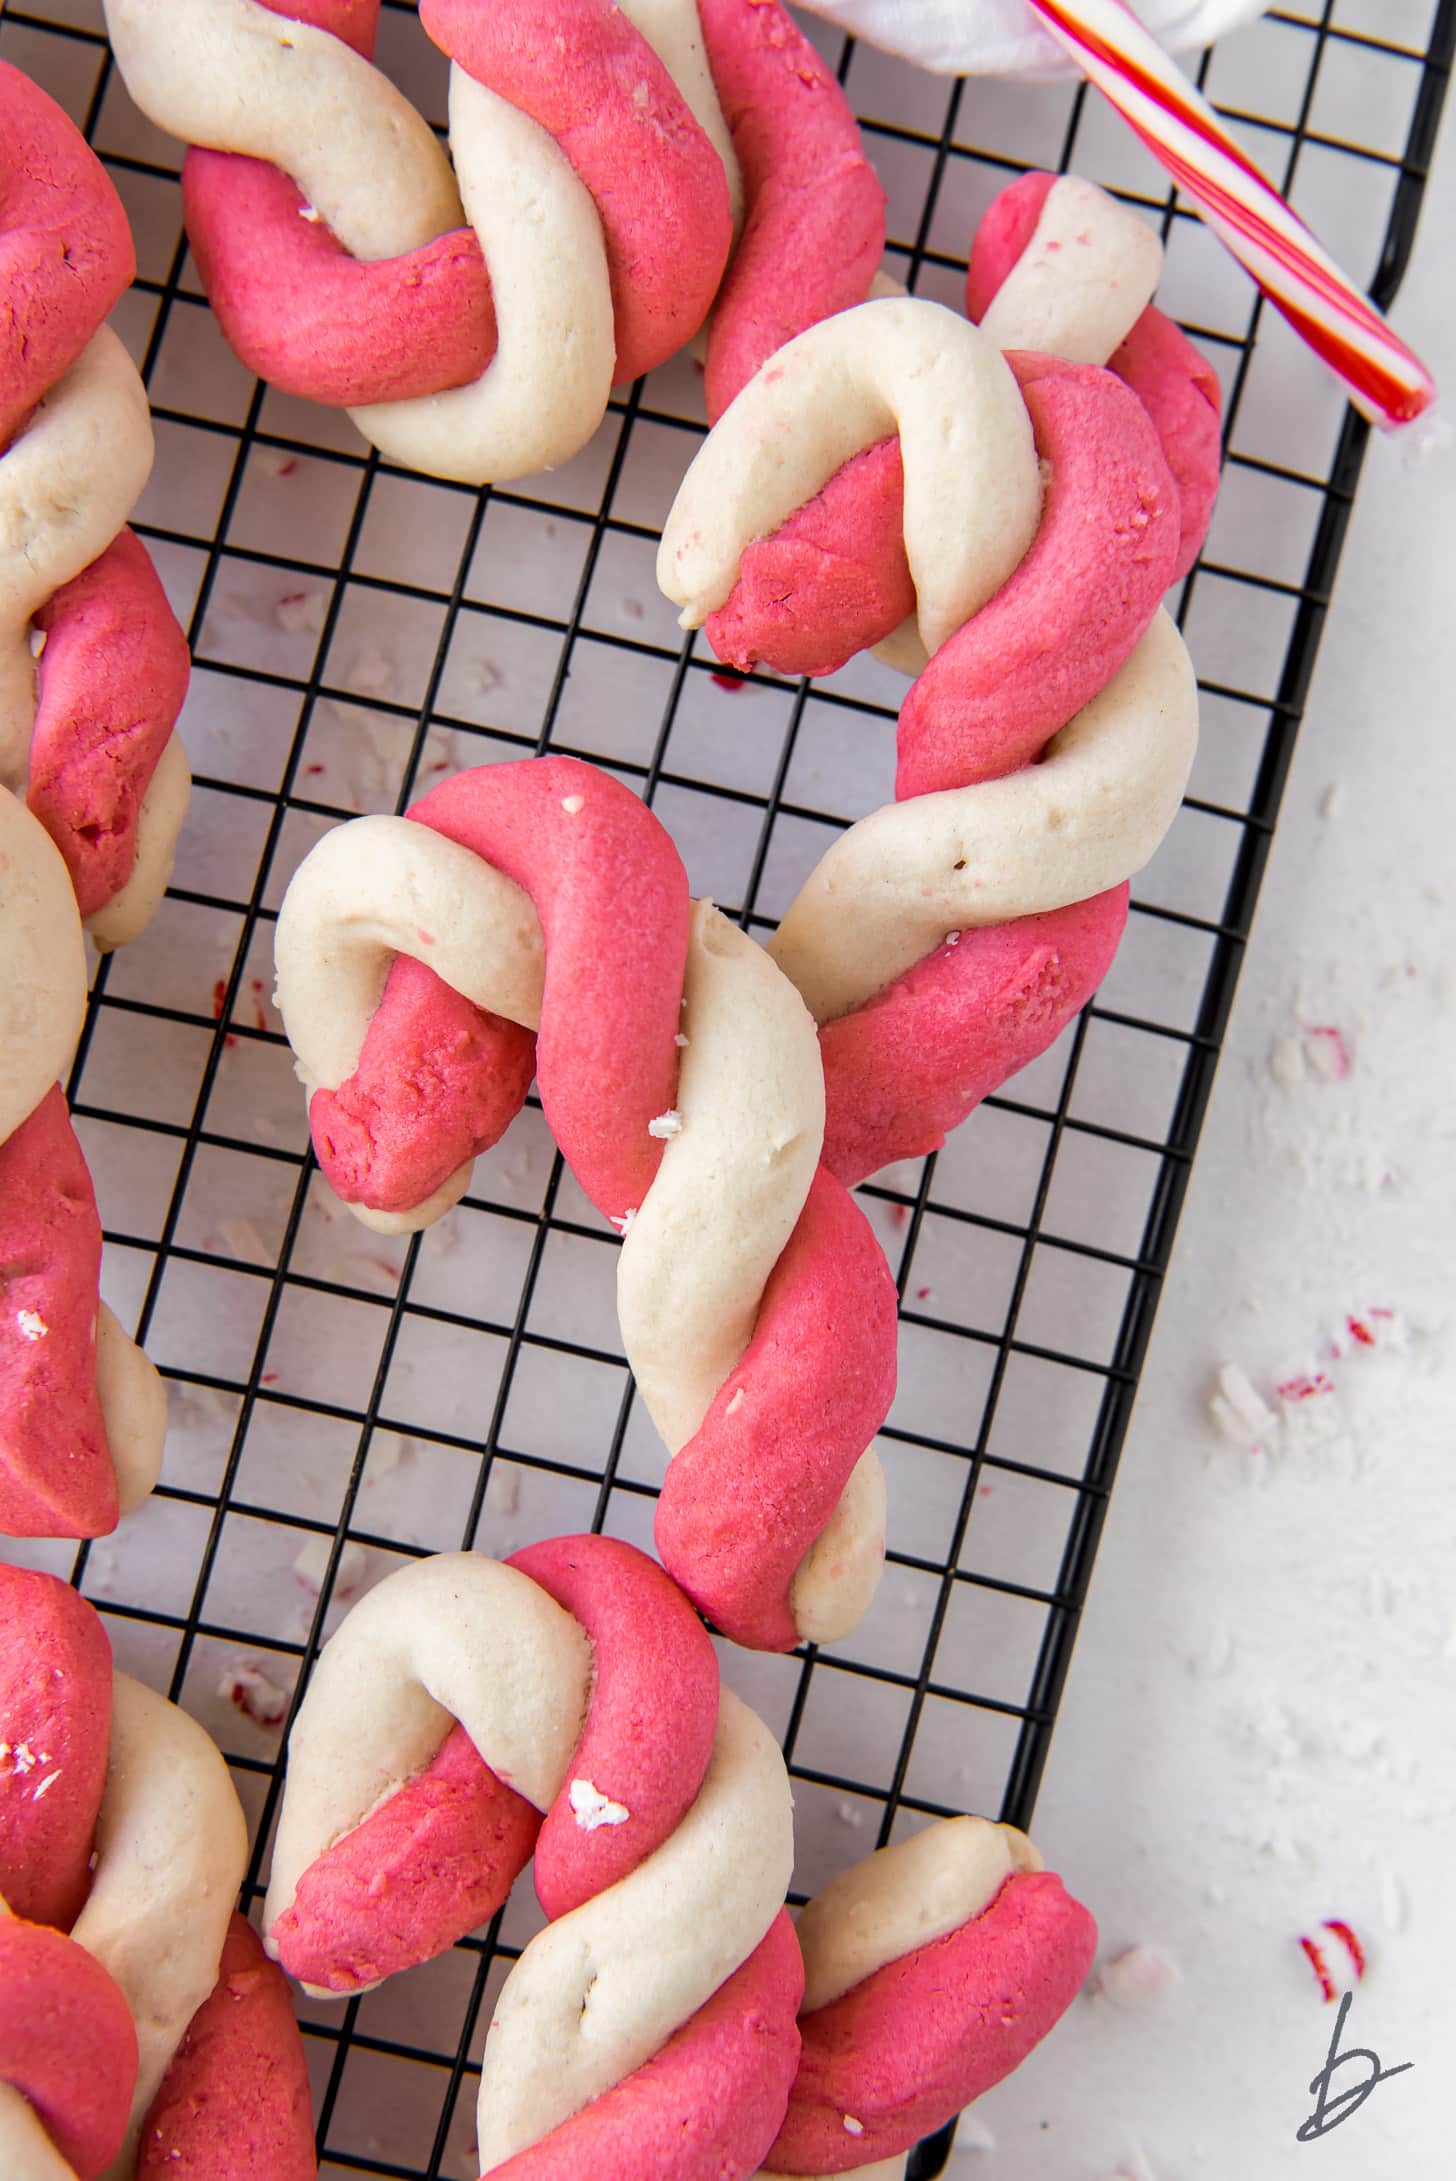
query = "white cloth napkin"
{"x": 1003, "y": 37}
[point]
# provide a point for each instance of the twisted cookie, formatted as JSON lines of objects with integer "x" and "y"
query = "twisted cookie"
{"x": 649, "y": 2030}
{"x": 931, "y": 1970}
{"x": 619, "y": 173}
{"x": 93, "y": 667}
{"x": 82, "y": 1412}
{"x": 681, "y": 1078}
{"x": 119, "y": 1822}
{"x": 1043, "y": 749}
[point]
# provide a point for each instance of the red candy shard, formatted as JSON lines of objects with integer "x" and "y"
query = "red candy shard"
{"x": 235, "y": 2099}
{"x": 55, "y": 1719}
{"x": 66, "y": 252}
{"x": 745, "y": 1497}
{"x": 904, "y": 2051}
{"x": 67, "y": 2043}
{"x": 56, "y": 1474}
{"x": 111, "y": 682}
{"x": 703, "y": 2108}
{"x": 814, "y": 231}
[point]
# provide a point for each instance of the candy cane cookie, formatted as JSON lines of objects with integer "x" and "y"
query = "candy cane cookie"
{"x": 621, "y": 175}
{"x": 118, "y": 1820}
{"x": 93, "y": 667}
{"x": 931, "y": 1969}
{"x": 1043, "y": 749}
{"x": 681, "y": 1077}
{"x": 469, "y": 1710}
{"x": 82, "y": 1412}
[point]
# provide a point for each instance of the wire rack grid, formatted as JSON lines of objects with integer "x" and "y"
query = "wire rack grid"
{"x": 338, "y": 1402}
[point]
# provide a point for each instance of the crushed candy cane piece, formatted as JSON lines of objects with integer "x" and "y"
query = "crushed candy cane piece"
{"x": 311, "y": 1565}
{"x": 302, "y": 612}
{"x": 1237, "y": 1407}
{"x": 853, "y": 2127}
{"x": 32, "y": 1325}
{"x": 667, "y": 1124}
{"x": 37, "y": 642}
{"x": 571, "y": 804}
{"x": 1138, "y": 1978}
{"x": 1328, "y": 1053}
{"x": 623, "y": 1222}
{"x": 592, "y": 1808}
{"x": 255, "y": 1696}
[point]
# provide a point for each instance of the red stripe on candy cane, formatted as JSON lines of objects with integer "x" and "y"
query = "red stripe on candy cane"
{"x": 1382, "y": 376}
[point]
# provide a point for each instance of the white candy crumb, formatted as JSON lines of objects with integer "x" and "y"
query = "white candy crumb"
{"x": 666, "y": 1124}
{"x": 592, "y": 1808}
{"x": 735, "y": 1404}
{"x": 849, "y": 1813}
{"x": 624, "y": 1224}
{"x": 313, "y": 1559}
{"x": 680, "y": 1039}
{"x": 48, "y": 1782}
{"x": 1138, "y": 1979}
{"x": 258, "y": 1698}
{"x": 571, "y": 804}
{"x": 32, "y": 1325}
{"x": 310, "y": 212}
{"x": 952, "y": 938}
{"x": 37, "y": 642}
{"x": 853, "y": 2127}
{"x": 1237, "y": 1408}
{"x": 302, "y": 612}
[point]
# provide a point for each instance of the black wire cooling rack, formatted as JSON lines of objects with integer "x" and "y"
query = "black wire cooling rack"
{"x": 973, "y": 1647}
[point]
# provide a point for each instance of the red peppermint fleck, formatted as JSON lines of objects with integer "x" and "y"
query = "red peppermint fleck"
{"x": 1379, "y": 1313}
{"x": 1361, "y": 1332}
{"x": 899, "y": 1215}
{"x": 731, "y": 682}
{"x": 1338, "y": 1052}
{"x": 1350, "y": 1943}
{"x": 1305, "y": 1388}
{"x": 313, "y": 768}
{"x": 219, "y": 998}
{"x": 269, "y": 1378}
{"x": 426, "y": 938}
{"x": 286, "y": 469}
{"x": 1316, "y": 1961}
{"x": 922, "y": 1294}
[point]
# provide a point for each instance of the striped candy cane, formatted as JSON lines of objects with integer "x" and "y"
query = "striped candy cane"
{"x": 1383, "y": 378}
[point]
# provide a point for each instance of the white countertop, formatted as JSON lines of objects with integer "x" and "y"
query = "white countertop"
{"x": 1257, "y": 1730}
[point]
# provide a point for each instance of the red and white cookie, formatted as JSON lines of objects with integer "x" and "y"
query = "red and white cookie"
{"x": 118, "y": 1819}
{"x": 82, "y": 1412}
{"x": 620, "y": 175}
{"x": 1043, "y": 748}
{"x": 465, "y": 1703}
{"x": 681, "y": 1077}
{"x": 931, "y": 1969}
{"x": 93, "y": 667}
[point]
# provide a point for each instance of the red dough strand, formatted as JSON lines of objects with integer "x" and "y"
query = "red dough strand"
{"x": 67, "y": 2043}
{"x": 55, "y": 1718}
{"x": 56, "y": 1474}
{"x": 66, "y": 252}
{"x": 763, "y": 1475}
{"x": 904, "y": 2051}
{"x": 111, "y": 681}
{"x": 235, "y": 2099}
{"x": 700, "y": 2109}
{"x": 814, "y": 230}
